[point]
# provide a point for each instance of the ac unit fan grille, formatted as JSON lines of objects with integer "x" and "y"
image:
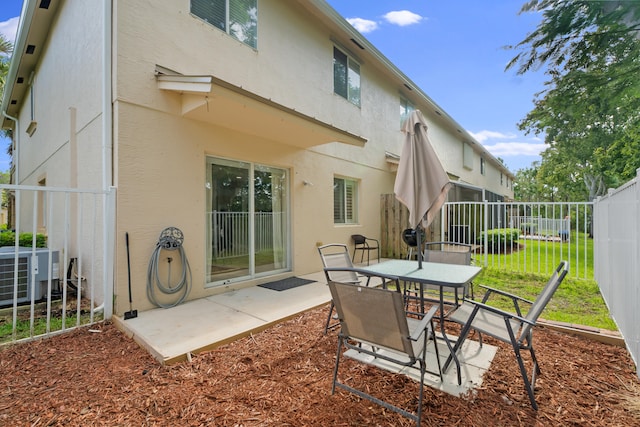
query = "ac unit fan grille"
{"x": 6, "y": 280}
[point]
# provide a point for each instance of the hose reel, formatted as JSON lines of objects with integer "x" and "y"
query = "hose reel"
{"x": 171, "y": 239}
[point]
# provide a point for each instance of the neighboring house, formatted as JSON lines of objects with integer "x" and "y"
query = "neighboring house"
{"x": 260, "y": 128}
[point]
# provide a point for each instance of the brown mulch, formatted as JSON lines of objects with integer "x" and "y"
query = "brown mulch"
{"x": 282, "y": 377}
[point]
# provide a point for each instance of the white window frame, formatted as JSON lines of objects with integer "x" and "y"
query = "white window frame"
{"x": 228, "y": 24}
{"x": 352, "y": 71}
{"x": 406, "y": 107}
{"x": 342, "y": 215}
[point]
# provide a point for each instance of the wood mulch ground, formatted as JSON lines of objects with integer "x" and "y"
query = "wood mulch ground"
{"x": 282, "y": 377}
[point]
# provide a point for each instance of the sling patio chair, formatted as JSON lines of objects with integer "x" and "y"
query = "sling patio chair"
{"x": 512, "y": 328}
{"x": 364, "y": 244}
{"x": 373, "y": 323}
{"x": 336, "y": 255}
{"x": 443, "y": 253}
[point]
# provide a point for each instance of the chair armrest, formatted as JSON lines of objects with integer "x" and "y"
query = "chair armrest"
{"x": 506, "y": 294}
{"x": 500, "y": 312}
{"x": 374, "y": 240}
{"x": 423, "y": 325}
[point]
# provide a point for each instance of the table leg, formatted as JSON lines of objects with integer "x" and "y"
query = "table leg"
{"x": 452, "y": 349}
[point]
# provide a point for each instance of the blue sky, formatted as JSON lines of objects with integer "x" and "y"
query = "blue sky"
{"x": 452, "y": 49}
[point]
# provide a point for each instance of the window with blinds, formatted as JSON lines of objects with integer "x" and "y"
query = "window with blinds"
{"x": 238, "y": 18}
{"x": 345, "y": 201}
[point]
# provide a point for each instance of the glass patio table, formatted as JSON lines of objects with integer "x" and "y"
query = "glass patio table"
{"x": 433, "y": 274}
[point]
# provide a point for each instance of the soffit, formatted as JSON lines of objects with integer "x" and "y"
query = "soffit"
{"x": 33, "y": 30}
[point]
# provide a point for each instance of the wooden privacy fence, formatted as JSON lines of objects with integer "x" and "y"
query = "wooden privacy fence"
{"x": 394, "y": 219}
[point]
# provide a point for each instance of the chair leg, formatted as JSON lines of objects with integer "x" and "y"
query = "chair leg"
{"x": 335, "y": 369}
{"x": 328, "y": 325}
{"x": 528, "y": 385}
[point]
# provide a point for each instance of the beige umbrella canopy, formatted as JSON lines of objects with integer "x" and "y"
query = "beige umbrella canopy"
{"x": 421, "y": 183}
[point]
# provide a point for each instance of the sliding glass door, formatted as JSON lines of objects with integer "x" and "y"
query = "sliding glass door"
{"x": 247, "y": 220}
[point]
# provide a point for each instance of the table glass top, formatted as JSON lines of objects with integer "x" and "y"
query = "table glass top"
{"x": 431, "y": 272}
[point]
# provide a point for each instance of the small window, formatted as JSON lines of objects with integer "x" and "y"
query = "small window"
{"x": 345, "y": 201}
{"x": 238, "y": 18}
{"x": 346, "y": 77}
{"x": 406, "y": 107}
{"x": 482, "y": 166}
{"x": 467, "y": 156}
{"x": 501, "y": 178}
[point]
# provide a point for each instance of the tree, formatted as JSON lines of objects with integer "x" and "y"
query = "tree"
{"x": 589, "y": 110}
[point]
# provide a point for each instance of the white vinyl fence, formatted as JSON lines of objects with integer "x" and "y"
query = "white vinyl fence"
{"x": 617, "y": 259}
{"x": 58, "y": 273}
{"x": 547, "y": 233}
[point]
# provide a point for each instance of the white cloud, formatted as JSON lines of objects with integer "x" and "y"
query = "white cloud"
{"x": 9, "y": 28}
{"x": 363, "y": 25}
{"x": 508, "y": 149}
{"x": 484, "y": 135}
{"x": 403, "y": 18}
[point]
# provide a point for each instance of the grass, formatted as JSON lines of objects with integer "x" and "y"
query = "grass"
{"x": 525, "y": 272}
{"x": 23, "y": 325}
{"x": 544, "y": 256}
{"x": 576, "y": 301}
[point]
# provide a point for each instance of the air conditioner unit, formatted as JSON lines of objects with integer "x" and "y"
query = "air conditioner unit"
{"x": 32, "y": 272}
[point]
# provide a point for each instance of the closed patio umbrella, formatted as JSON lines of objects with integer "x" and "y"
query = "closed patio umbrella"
{"x": 421, "y": 181}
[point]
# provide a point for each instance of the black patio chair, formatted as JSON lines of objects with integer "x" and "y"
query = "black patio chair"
{"x": 364, "y": 244}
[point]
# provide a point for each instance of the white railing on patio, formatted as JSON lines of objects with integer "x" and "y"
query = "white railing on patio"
{"x": 39, "y": 294}
{"x": 548, "y": 234}
{"x": 231, "y": 232}
{"x": 617, "y": 260}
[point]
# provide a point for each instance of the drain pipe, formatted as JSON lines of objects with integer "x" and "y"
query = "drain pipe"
{"x": 16, "y": 137}
{"x": 107, "y": 144}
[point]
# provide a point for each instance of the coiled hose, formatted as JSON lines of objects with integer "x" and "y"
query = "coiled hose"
{"x": 171, "y": 239}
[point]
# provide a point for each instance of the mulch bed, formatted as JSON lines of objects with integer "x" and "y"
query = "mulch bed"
{"x": 282, "y": 376}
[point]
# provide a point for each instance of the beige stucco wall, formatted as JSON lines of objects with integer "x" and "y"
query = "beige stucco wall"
{"x": 66, "y": 104}
{"x": 159, "y": 155}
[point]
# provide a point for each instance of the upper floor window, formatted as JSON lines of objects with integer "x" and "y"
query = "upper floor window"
{"x": 467, "y": 156}
{"x": 482, "y": 166}
{"x": 238, "y": 18}
{"x": 406, "y": 107}
{"x": 346, "y": 77}
{"x": 345, "y": 201}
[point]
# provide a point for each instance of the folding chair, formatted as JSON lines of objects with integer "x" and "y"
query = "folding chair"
{"x": 336, "y": 255}
{"x": 374, "y": 323}
{"x": 444, "y": 253}
{"x": 364, "y": 244}
{"x": 512, "y": 328}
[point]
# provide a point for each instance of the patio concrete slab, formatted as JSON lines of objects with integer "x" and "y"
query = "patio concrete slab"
{"x": 174, "y": 334}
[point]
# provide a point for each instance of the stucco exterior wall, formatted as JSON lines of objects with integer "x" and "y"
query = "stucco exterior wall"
{"x": 160, "y": 149}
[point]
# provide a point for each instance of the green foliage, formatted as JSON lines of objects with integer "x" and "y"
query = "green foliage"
{"x": 8, "y": 238}
{"x": 500, "y": 237}
{"x": 588, "y": 112}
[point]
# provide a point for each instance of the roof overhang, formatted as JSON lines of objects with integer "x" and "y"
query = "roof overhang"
{"x": 33, "y": 30}
{"x": 208, "y": 99}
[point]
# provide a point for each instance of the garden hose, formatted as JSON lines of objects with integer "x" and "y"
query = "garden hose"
{"x": 171, "y": 239}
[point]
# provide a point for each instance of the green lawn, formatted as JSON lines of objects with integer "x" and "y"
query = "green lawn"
{"x": 576, "y": 301}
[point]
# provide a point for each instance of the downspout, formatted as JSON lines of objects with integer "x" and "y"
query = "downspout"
{"x": 107, "y": 139}
{"x": 17, "y": 139}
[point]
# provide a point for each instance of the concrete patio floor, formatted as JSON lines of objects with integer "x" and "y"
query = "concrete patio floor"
{"x": 173, "y": 335}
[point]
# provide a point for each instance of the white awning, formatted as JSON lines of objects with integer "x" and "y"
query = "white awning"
{"x": 211, "y": 100}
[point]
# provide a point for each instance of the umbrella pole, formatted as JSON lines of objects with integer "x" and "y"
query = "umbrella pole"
{"x": 419, "y": 239}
